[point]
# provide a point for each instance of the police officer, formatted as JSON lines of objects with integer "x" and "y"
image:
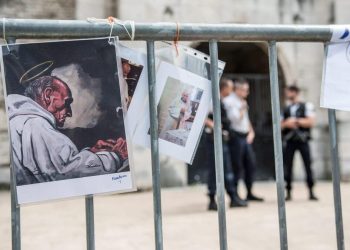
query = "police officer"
{"x": 226, "y": 86}
{"x": 241, "y": 137}
{"x": 298, "y": 119}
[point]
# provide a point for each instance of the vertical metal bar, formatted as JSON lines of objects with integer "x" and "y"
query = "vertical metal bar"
{"x": 277, "y": 141}
{"x": 336, "y": 178}
{"x": 219, "y": 169}
{"x": 157, "y": 203}
{"x": 90, "y": 222}
{"x": 15, "y": 212}
{"x": 15, "y": 209}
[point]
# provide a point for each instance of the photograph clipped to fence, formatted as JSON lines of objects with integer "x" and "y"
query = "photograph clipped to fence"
{"x": 134, "y": 84}
{"x": 183, "y": 96}
{"x": 66, "y": 123}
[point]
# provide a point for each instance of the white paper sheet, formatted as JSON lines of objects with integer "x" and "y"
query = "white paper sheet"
{"x": 138, "y": 76}
{"x": 335, "y": 92}
{"x": 340, "y": 33}
{"x": 178, "y": 140}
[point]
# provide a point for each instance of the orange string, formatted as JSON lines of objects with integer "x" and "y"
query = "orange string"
{"x": 110, "y": 19}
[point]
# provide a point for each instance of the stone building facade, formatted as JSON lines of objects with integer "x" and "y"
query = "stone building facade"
{"x": 299, "y": 62}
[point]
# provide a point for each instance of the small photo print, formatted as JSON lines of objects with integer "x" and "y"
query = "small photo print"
{"x": 131, "y": 75}
{"x": 133, "y": 85}
{"x": 177, "y": 110}
{"x": 183, "y": 99}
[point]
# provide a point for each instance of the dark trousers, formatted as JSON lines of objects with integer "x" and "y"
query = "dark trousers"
{"x": 290, "y": 148}
{"x": 243, "y": 160}
{"x": 228, "y": 174}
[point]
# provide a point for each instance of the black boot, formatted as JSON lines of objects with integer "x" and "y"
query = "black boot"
{"x": 288, "y": 196}
{"x": 212, "y": 203}
{"x": 236, "y": 201}
{"x": 252, "y": 197}
{"x": 312, "y": 196}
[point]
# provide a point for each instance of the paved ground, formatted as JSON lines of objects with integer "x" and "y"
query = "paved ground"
{"x": 126, "y": 222}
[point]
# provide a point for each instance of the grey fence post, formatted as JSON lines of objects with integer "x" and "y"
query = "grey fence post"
{"x": 336, "y": 178}
{"x": 90, "y": 223}
{"x": 15, "y": 209}
{"x": 277, "y": 141}
{"x": 219, "y": 166}
{"x": 157, "y": 203}
{"x": 15, "y": 214}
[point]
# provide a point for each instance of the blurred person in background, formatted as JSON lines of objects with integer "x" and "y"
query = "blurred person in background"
{"x": 298, "y": 119}
{"x": 241, "y": 137}
{"x": 226, "y": 86}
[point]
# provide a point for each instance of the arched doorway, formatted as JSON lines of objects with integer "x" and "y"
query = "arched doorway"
{"x": 250, "y": 61}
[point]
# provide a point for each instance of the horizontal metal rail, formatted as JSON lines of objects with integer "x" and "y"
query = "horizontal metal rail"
{"x": 30, "y": 28}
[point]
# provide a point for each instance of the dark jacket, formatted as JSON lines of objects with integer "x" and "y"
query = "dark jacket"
{"x": 225, "y": 122}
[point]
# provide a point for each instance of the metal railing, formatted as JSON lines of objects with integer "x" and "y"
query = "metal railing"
{"x": 151, "y": 32}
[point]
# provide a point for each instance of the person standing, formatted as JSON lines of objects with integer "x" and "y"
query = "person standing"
{"x": 242, "y": 136}
{"x": 226, "y": 86}
{"x": 298, "y": 119}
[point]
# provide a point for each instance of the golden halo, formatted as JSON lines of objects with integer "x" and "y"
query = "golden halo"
{"x": 26, "y": 78}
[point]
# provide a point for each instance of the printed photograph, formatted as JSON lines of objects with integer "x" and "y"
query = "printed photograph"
{"x": 177, "y": 110}
{"x": 63, "y": 103}
{"x": 131, "y": 75}
{"x": 183, "y": 99}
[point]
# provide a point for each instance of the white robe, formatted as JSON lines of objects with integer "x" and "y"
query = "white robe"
{"x": 174, "y": 115}
{"x": 41, "y": 153}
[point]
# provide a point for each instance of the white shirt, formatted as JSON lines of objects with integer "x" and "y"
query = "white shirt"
{"x": 309, "y": 109}
{"x": 233, "y": 105}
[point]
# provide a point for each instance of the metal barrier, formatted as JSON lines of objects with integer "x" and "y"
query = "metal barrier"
{"x": 151, "y": 32}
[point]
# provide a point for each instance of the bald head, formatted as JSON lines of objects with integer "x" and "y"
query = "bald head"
{"x": 185, "y": 95}
{"x": 53, "y": 95}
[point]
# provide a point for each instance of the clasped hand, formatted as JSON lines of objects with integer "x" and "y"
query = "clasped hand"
{"x": 118, "y": 146}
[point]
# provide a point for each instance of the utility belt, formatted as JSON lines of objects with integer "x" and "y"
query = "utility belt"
{"x": 234, "y": 133}
{"x": 297, "y": 135}
{"x": 210, "y": 134}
